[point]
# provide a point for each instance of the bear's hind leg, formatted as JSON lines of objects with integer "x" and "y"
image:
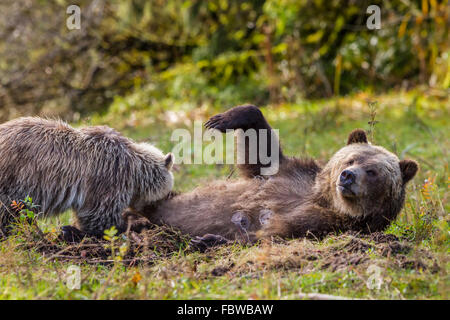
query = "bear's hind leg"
{"x": 103, "y": 217}
{"x": 132, "y": 220}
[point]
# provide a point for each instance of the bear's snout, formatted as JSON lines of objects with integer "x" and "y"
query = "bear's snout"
{"x": 347, "y": 178}
{"x": 346, "y": 184}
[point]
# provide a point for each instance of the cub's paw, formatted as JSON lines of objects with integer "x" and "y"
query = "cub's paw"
{"x": 140, "y": 225}
{"x": 240, "y": 117}
{"x": 71, "y": 234}
{"x": 207, "y": 241}
{"x": 136, "y": 222}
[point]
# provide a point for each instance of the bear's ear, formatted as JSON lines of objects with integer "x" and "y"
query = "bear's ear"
{"x": 409, "y": 169}
{"x": 357, "y": 136}
{"x": 169, "y": 160}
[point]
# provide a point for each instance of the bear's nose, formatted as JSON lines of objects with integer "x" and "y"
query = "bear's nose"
{"x": 347, "y": 178}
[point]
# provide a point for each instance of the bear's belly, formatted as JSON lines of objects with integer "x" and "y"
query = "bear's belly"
{"x": 233, "y": 209}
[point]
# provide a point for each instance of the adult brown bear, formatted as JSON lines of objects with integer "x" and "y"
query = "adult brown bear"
{"x": 361, "y": 188}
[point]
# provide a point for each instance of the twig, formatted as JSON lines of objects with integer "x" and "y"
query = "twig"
{"x": 231, "y": 173}
{"x": 319, "y": 296}
{"x": 95, "y": 261}
{"x": 76, "y": 246}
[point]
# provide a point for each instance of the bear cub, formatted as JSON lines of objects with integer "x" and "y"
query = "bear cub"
{"x": 95, "y": 171}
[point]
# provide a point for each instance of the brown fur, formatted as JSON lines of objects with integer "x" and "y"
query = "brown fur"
{"x": 94, "y": 170}
{"x": 247, "y": 117}
{"x": 301, "y": 200}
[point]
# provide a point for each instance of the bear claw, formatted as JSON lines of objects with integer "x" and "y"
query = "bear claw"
{"x": 207, "y": 241}
{"x": 240, "y": 117}
{"x": 217, "y": 122}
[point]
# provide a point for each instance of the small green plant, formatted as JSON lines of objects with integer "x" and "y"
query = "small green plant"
{"x": 117, "y": 252}
{"x": 27, "y": 211}
{"x": 22, "y": 222}
{"x": 373, "y": 106}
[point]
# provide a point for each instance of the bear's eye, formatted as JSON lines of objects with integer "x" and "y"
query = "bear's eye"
{"x": 371, "y": 173}
{"x": 350, "y": 162}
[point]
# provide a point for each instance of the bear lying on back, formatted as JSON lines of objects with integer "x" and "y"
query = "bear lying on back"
{"x": 95, "y": 171}
{"x": 361, "y": 188}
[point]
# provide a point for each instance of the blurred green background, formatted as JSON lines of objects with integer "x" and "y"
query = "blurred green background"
{"x": 169, "y": 54}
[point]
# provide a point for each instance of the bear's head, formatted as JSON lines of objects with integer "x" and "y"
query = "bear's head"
{"x": 363, "y": 180}
{"x": 156, "y": 178}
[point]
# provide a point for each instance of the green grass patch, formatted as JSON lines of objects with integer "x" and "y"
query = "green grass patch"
{"x": 412, "y": 261}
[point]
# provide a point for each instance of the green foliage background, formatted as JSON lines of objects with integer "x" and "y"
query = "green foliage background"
{"x": 216, "y": 53}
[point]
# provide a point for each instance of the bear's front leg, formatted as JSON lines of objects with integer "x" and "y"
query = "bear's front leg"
{"x": 208, "y": 241}
{"x": 247, "y": 118}
{"x": 71, "y": 234}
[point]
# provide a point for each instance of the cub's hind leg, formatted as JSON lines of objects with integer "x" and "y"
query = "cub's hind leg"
{"x": 266, "y": 154}
{"x": 133, "y": 222}
{"x": 96, "y": 218}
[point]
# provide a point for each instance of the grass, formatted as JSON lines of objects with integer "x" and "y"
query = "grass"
{"x": 412, "y": 256}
